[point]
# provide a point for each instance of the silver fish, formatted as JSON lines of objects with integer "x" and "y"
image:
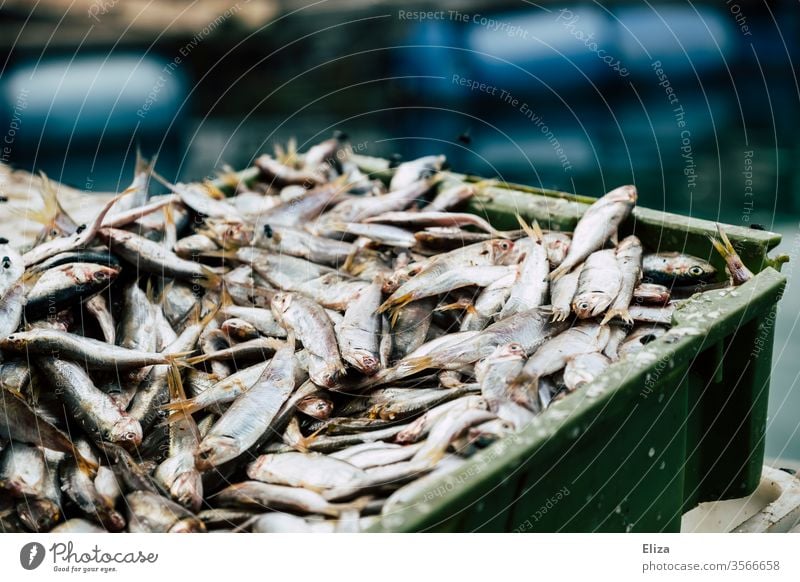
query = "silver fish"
{"x": 94, "y": 409}
{"x": 629, "y": 261}
{"x": 251, "y": 414}
{"x": 596, "y": 226}
{"x": 314, "y": 329}
{"x": 598, "y": 284}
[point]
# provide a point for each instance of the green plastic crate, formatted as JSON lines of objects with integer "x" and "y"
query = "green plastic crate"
{"x": 681, "y": 423}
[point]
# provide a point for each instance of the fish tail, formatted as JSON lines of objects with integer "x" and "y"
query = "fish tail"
{"x": 48, "y": 215}
{"x": 533, "y": 230}
{"x": 621, "y": 312}
{"x": 179, "y": 359}
{"x": 193, "y": 361}
{"x": 739, "y": 272}
{"x": 351, "y": 257}
{"x": 455, "y": 306}
{"x": 414, "y": 365}
{"x": 188, "y": 406}
{"x": 396, "y": 304}
{"x": 560, "y": 271}
{"x": 211, "y": 280}
{"x": 85, "y": 465}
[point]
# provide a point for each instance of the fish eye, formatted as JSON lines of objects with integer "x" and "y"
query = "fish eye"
{"x": 583, "y": 305}
{"x": 696, "y": 270}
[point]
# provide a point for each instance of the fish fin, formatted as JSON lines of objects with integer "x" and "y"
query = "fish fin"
{"x": 560, "y": 271}
{"x": 396, "y": 304}
{"x": 738, "y": 270}
{"x": 411, "y": 366}
{"x": 169, "y": 218}
{"x": 211, "y": 280}
{"x": 533, "y": 230}
{"x": 85, "y": 465}
{"x": 179, "y": 358}
{"x": 213, "y": 190}
{"x": 351, "y": 257}
{"x": 454, "y": 306}
{"x": 177, "y": 393}
{"x": 194, "y": 360}
{"x": 48, "y": 215}
{"x": 622, "y": 313}
{"x": 188, "y": 406}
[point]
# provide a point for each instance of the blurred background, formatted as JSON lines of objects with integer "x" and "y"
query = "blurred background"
{"x": 694, "y": 102}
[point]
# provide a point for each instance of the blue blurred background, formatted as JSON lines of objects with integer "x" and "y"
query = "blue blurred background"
{"x": 696, "y": 103}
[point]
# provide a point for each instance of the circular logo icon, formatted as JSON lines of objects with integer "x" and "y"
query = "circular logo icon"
{"x": 31, "y": 555}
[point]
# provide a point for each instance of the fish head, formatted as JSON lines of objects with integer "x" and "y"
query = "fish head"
{"x": 367, "y": 362}
{"x": 112, "y": 520}
{"x": 38, "y": 515}
{"x": 509, "y": 351}
{"x": 503, "y": 251}
{"x": 678, "y": 268}
{"x": 233, "y": 233}
{"x": 591, "y": 304}
{"x": 256, "y": 467}
{"x": 187, "y": 489}
{"x": 126, "y": 432}
{"x": 215, "y": 450}
{"x": 316, "y": 407}
{"x": 103, "y": 274}
{"x": 557, "y": 246}
{"x": 281, "y": 303}
{"x": 13, "y": 342}
{"x": 624, "y": 194}
{"x": 688, "y": 269}
{"x": 188, "y": 525}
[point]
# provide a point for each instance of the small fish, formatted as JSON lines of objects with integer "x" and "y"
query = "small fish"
{"x": 629, "y": 261}
{"x": 154, "y": 258}
{"x": 95, "y": 410}
{"x": 58, "y": 287}
{"x": 97, "y": 305}
{"x": 93, "y": 353}
{"x": 739, "y": 272}
{"x": 278, "y": 497}
{"x": 279, "y": 175}
{"x": 359, "y": 332}
{"x": 20, "y": 422}
{"x": 596, "y": 226}
{"x": 313, "y": 327}
{"x": 598, "y": 285}
{"x": 313, "y": 471}
{"x": 673, "y": 268}
{"x": 152, "y": 513}
{"x": 495, "y": 375}
{"x": 251, "y": 414}
{"x": 552, "y": 357}
{"x": 562, "y": 293}
{"x": 651, "y": 294}
{"x": 557, "y": 246}
{"x": 530, "y": 289}
{"x": 450, "y": 197}
{"x": 584, "y": 368}
{"x": 413, "y": 171}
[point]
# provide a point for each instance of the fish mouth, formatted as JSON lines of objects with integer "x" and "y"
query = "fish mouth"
{"x": 627, "y": 193}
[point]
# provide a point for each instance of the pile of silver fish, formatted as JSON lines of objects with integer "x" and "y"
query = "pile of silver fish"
{"x": 305, "y": 352}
